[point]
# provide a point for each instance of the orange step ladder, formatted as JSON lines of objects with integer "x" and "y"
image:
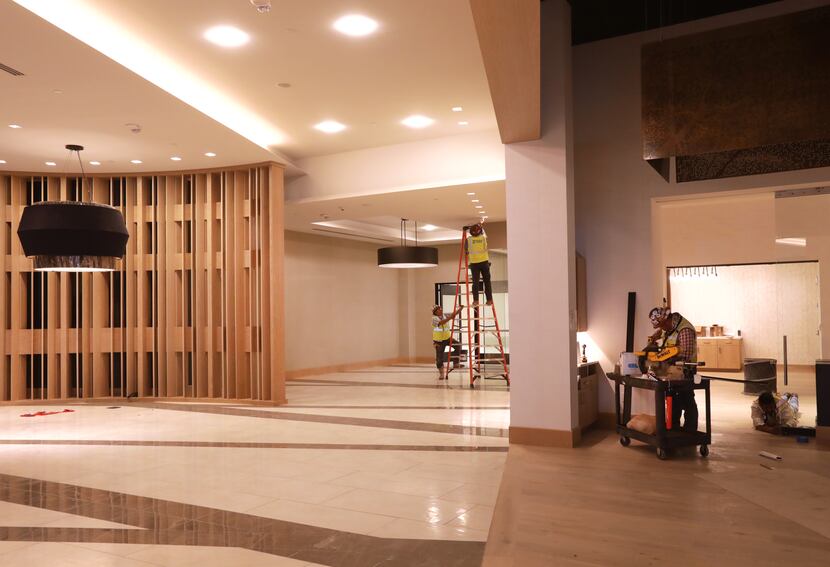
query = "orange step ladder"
{"x": 475, "y": 324}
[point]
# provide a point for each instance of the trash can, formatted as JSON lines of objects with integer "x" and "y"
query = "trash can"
{"x": 760, "y": 375}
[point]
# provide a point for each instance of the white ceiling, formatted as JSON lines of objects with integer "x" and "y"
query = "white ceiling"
{"x": 424, "y": 59}
{"x": 98, "y": 98}
{"x": 376, "y": 218}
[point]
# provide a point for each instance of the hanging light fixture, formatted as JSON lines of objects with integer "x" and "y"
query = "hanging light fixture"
{"x": 73, "y": 236}
{"x": 404, "y": 256}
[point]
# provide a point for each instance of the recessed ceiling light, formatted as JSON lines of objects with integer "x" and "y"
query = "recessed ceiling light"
{"x": 479, "y": 206}
{"x": 355, "y": 25}
{"x": 474, "y": 200}
{"x": 136, "y": 161}
{"x": 175, "y": 158}
{"x": 330, "y": 126}
{"x": 15, "y": 126}
{"x": 471, "y": 193}
{"x": 417, "y": 121}
{"x": 428, "y": 227}
{"x": 2, "y": 161}
{"x": 463, "y": 123}
{"x": 226, "y": 36}
{"x": 210, "y": 154}
{"x": 284, "y": 85}
{"x": 457, "y": 109}
{"x": 51, "y": 163}
{"x": 95, "y": 163}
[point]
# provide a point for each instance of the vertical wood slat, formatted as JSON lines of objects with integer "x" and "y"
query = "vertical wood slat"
{"x": 216, "y": 280}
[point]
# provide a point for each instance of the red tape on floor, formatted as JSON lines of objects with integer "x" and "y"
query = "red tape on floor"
{"x": 40, "y": 413}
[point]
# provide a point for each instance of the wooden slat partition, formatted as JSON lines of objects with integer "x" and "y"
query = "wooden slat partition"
{"x": 194, "y": 310}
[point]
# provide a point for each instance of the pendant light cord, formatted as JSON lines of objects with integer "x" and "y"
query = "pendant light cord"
{"x": 83, "y": 174}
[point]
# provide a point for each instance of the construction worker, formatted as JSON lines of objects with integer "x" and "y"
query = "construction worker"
{"x": 771, "y": 412}
{"x": 441, "y": 333}
{"x": 479, "y": 260}
{"x": 673, "y": 330}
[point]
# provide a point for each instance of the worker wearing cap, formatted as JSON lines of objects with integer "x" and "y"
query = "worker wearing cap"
{"x": 441, "y": 334}
{"x": 478, "y": 258}
{"x": 674, "y": 330}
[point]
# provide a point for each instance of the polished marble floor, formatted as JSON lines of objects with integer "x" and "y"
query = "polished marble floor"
{"x": 379, "y": 467}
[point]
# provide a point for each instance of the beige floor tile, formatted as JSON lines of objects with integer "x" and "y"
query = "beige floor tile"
{"x": 474, "y": 494}
{"x": 63, "y": 555}
{"x": 200, "y": 556}
{"x": 476, "y": 518}
{"x": 292, "y": 489}
{"x": 400, "y": 483}
{"x": 330, "y": 517}
{"x": 411, "y": 529}
{"x": 30, "y": 516}
{"x": 419, "y": 508}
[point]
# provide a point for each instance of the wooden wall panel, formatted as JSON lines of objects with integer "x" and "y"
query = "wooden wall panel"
{"x": 195, "y": 309}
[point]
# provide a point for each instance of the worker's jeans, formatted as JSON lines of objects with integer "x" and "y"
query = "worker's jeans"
{"x": 684, "y": 401}
{"x": 478, "y": 270}
{"x": 441, "y": 357}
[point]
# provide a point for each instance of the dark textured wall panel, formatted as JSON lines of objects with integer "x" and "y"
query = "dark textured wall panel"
{"x": 747, "y": 86}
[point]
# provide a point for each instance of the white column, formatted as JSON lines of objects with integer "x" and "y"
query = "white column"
{"x": 541, "y": 262}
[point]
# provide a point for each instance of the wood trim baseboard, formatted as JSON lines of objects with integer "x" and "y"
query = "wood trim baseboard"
{"x": 306, "y": 372}
{"x": 545, "y": 437}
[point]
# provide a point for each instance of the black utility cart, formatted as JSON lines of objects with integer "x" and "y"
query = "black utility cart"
{"x": 664, "y": 439}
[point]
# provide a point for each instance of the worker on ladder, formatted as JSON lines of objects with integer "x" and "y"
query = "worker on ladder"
{"x": 478, "y": 259}
{"x": 441, "y": 333}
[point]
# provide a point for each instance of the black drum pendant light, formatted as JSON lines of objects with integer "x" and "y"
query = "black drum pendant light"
{"x": 404, "y": 256}
{"x": 73, "y": 236}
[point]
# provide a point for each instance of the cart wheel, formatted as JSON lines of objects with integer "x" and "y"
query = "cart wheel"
{"x": 661, "y": 454}
{"x": 625, "y": 441}
{"x": 704, "y": 450}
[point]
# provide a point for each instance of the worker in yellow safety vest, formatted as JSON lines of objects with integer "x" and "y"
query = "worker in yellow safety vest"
{"x": 674, "y": 330}
{"x": 441, "y": 333}
{"x": 479, "y": 260}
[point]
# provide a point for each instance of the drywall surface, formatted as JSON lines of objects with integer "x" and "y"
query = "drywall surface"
{"x": 340, "y": 307}
{"x": 438, "y": 162}
{"x": 763, "y": 301}
{"x": 615, "y": 188}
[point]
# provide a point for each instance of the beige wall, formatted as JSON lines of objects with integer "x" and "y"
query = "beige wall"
{"x": 340, "y": 307}
{"x": 763, "y": 301}
{"x": 615, "y": 187}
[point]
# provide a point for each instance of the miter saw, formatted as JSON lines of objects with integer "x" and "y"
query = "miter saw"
{"x": 661, "y": 363}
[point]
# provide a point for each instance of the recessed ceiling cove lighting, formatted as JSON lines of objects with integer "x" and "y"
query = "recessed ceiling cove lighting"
{"x": 417, "y": 121}
{"x": 51, "y": 163}
{"x": 15, "y": 126}
{"x": 175, "y": 158}
{"x": 210, "y": 154}
{"x": 463, "y": 123}
{"x": 355, "y": 25}
{"x": 136, "y": 161}
{"x": 330, "y": 126}
{"x": 226, "y": 36}
{"x": 95, "y": 163}
{"x": 457, "y": 109}
{"x": 429, "y": 227}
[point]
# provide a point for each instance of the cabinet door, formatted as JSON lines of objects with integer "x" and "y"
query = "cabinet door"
{"x": 729, "y": 355}
{"x": 707, "y": 352}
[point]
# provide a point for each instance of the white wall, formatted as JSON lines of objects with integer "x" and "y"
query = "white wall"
{"x": 339, "y": 306}
{"x": 763, "y": 301}
{"x": 615, "y": 187}
{"x": 438, "y": 162}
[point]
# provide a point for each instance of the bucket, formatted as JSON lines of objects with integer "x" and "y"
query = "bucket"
{"x": 629, "y": 364}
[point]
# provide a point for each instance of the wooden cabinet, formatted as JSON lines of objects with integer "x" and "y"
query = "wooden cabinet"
{"x": 588, "y": 388}
{"x": 721, "y": 353}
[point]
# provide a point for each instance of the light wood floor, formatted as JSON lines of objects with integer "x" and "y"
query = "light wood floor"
{"x": 603, "y": 504}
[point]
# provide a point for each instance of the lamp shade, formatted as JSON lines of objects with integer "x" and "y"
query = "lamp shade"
{"x": 73, "y": 236}
{"x": 407, "y": 257}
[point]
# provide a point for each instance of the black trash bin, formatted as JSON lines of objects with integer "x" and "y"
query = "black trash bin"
{"x": 760, "y": 375}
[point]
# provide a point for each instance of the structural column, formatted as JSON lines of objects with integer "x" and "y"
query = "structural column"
{"x": 541, "y": 262}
